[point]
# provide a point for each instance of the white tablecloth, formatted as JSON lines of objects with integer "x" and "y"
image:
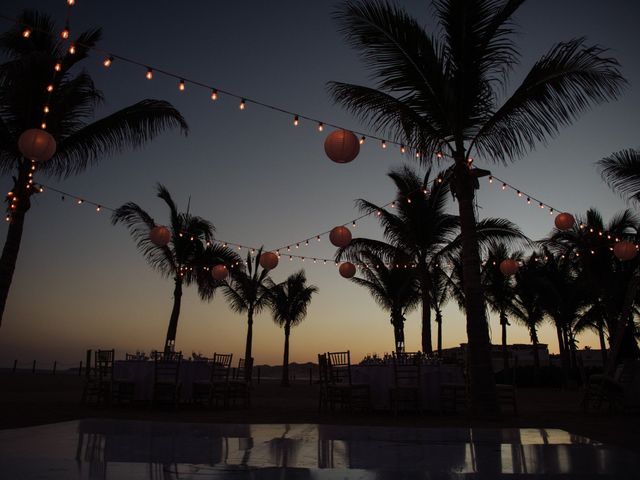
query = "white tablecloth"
{"x": 380, "y": 379}
{"x": 140, "y": 372}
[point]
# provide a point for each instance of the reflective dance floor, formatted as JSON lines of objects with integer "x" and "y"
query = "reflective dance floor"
{"x": 117, "y": 449}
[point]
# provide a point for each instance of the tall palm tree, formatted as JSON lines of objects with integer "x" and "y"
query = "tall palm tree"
{"x": 439, "y": 297}
{"x": 394, "y": 286}
{"x": 527, "y": 307}
{"x": 182, "y": 258}
{"x": 289, "y": 301}
{"x": 81, "y": 140}
{"x": 247, "y": 291}
{"x": 499, "y": 291}
{"x": 444, "y": 94}
{"x": 424, "y": 231}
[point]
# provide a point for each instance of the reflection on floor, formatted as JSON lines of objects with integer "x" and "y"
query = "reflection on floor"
{"x": 113, "y": 449}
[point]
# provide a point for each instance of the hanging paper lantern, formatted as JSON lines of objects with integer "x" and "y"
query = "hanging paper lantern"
{"x": 160, "y": 236}
{"x": 36, "y": 144}
{"x": 341, "y": 146}
{"x": 347, "y": 269}
{"x": 625, "y": 250}
{"x": 268, "y": 260}
{"x": 219, "y": 272}
{"x": 340, "y": 236}
{"x": 565, "y": 221}
{"x": 509, "y": 266}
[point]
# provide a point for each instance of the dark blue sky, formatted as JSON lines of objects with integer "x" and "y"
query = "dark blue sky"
{"x": 80, "y": 282}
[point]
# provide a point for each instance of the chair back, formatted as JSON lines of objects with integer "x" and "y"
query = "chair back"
{"x": 406, "y": 369}
{"x": 167, "y": 367}
{"x": 339, "y": 368}
{"x": 103, "y": 364}
{"x": 323, "y": 369}
{"x": 243, "y": 368}
{"x": 221, "y": 367}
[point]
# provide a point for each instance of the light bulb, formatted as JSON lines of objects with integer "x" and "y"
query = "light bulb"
{"x": 72, "y": 49}
{"x": 242, "y": 104}
{"x": 50, "y": 88}
{"x": 214, "y": 94}
{"x": 296, "y": 121}
{"x": 402, "y": 149}
{"x": 43, "y": 125}
{"x": 149, "y": 74}
{"x": 362, "y": 140}
{"x": 46, "y": 109}
{"x": 26, "y": 33}
{"x": 107, "y": 62}
{"x": 320, "y": 127}
{"x": 65, "y": 32}
{"x": 57, "y": 67}
{"x": 181, "y": 85}
{"x": 383, "y": 144}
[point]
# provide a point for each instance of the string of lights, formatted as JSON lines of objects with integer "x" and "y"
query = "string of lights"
{"x": 214, "y": 92}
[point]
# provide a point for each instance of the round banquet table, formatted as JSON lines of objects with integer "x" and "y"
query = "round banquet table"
{"x": 140, "y": 372}
{"x": 380, "y": 379}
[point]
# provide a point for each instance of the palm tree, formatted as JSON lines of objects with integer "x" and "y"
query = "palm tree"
{"x": 289, "y": 301}
{"x": 444, "y": 94}
{"x": 394, "y": 286}
{"x": 527, "y": 307}
{"x": 499, "y": 291}
{"x": 247, "y": 291}
{"x": 621, "y": 170}
{"x": 439, "y": 297}
{"x": 81, "y": 140}
{"x": 423, "y": 230}
{"x": 182, "y": 258}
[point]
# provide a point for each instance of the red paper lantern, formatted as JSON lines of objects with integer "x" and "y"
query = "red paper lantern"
{"x": 340, "y": 236}
{"x": 341, "y": 146}
{"x": 509, "y": 267}
{"x": 268, "y": 260}
{"x": 160, "y": 236}
{"x": 219, "y": 272}
{"x": 36, "y": 144}
{"x": 625, "y": 250}
{"x": 565, "y": 221}
{"x": 347, "y": 269}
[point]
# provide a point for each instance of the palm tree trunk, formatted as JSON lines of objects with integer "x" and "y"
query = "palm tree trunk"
{"x": 536, "y": 354}
{"x": 505, "y": 350}
{"x": 426, "y": 310}
{"x": 285, "y": 360}
{"x": 439, "y": 323}
{"x": 398, "y": 334}
{"x": 481, "y": 380}
{"x": 567, "y": 345}
{"x": 603, "y": 343}
{"x": 14, "y": 235}
{"x": 170, "y": 341}
{"x": 247, "y": 349}
{"x": 563, "y": 354}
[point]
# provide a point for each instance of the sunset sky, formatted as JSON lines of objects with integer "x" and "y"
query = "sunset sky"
{"x": 80, "y": 282}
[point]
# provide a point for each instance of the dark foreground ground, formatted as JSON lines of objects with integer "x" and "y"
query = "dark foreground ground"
{"x": 27, "y": 399}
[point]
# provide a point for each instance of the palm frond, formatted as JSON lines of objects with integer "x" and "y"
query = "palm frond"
{"x": 621, "y": 171}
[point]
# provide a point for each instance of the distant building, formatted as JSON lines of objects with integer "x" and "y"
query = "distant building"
{"x": 520, "y": 352}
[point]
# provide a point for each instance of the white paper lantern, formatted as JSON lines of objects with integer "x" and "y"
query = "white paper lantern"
{"x": 509, "y": 267}
{"x": 625, "y": 250}
{"x": 341, "y": 146}
{"x": 219, "y": 272}
{"x": 564, "y": 221}
{"x": 340, "y": 236}
{"x": 36, "y": 144}
{"x": 347, "y": 269}
{"x": 160, "y": 236}
{"x": 268, "y": 260}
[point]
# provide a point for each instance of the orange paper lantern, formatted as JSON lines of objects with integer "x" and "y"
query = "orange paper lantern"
{"x": 36, "y": 144}
{"x": 160, "y": 236}
{"x": 564, "y": 221}
{"x": 268, "y": 260}
{"x": 509, "y": 266}
{"x": 341, "y": 146}
{"x": 625, "y": 250}
{"x": 340, "y": 236}
{"x": 347, "y": 269}
{"x": 219, "y": 272}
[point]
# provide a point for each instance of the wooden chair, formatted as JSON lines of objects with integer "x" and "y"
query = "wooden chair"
{"x": 407, "y": 387}
{"x": 342, "y": 392}
{"x": 323, "y": 381}
{"x": 215, "y": 390}
{"x": 454, "y": 395}
{"x": 98, "y": 384}
{"x": 506, "y": 392}
{"x": 166, "y": 383}
{"x": 619, "y": 392}
{"x": 240, "y": 386}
